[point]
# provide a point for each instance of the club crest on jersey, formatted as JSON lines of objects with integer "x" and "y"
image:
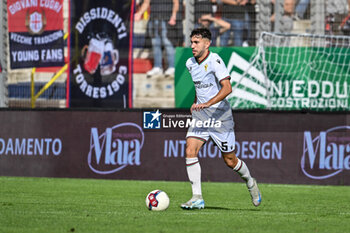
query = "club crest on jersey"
{"x": 206, "y": 67}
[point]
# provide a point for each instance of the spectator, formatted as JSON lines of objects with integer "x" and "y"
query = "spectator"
{"x": 234, "y": 12}
{"x": 250, "y": 29}
{"x": 158, "y": 30}
{"x": 201, "y": 7}
{"x": 301, "y": 8}
{"x": 345, "y": 26}
{"x": 287, "y": 17}
{"x": 203, "y": 13}
{"x": 175, "y": 32}
{"x": 207, "y": 20}
{"x": 336, "y": 12}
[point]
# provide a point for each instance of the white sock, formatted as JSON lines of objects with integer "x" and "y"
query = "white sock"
{"x": 194, "y": 175}
{"x": 242, "y": 169}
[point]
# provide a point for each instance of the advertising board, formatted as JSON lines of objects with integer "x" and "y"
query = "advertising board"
{"x": 278, "y": 147}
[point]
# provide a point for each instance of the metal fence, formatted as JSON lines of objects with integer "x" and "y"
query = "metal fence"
{"x": 231, "y": 25}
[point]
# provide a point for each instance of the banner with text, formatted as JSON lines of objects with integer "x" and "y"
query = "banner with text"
{"x": 290, "y": 148}
{"x": 35, "y": 33}
{"x": 101, "y": 69}
{"x": 286, "y": 87}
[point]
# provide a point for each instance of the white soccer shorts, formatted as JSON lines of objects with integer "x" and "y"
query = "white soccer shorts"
{"x": 225, "y": 140}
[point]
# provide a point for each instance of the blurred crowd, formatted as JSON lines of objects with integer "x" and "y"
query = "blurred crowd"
{"x": 232, "y": 23}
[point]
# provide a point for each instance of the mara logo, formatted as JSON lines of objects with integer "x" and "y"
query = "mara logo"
{"x": 116, "y": 148}
{"x": 327, "y": 154}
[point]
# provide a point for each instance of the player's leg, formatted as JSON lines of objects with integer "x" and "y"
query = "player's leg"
{"x": 241, "y": 168}
{"x": 193, "y": 145}
{"x": 226, "y": 143}
{"x": 238, "y": 166}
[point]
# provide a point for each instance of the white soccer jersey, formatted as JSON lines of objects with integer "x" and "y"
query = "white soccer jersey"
{"x": 207, "y": 75}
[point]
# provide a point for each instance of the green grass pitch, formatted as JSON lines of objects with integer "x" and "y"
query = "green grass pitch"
{"x": 86, "y": 205}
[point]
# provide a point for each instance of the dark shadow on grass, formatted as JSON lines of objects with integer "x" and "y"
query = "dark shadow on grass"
{"x": 209, "y": 208}
{"x": 232, "y": 209}
{"x": 217, "y": 208}
{"x": 225, "y": 209}
{"x": 250, "y": 209}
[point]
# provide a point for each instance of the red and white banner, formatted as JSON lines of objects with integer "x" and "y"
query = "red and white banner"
{"x": 35, "y": 33}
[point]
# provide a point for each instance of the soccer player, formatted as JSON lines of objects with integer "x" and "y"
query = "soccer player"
{"x": 212, "y": 83}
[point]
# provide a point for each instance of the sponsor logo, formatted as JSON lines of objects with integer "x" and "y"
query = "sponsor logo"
{"x": 200, "y": 85}
{"x": 31, "y": 146}
{"x": 116, "y": 148}
{"x": 326, "y": 155}
{"x": 255, "y": 90}
{"x": 265, "y": 150}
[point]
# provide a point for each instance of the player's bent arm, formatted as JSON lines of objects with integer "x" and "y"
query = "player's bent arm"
{"x": 225, "y": 90}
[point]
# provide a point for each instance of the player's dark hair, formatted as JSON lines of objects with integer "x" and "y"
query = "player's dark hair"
{"x": 204, "y": 32}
